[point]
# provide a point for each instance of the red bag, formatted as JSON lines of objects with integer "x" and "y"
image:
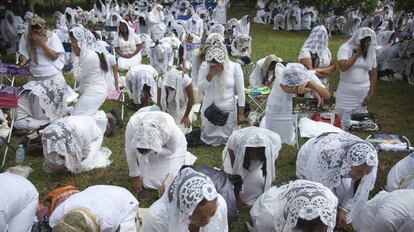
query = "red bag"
{"x": 8, "y": 97}
{"x": 326, "y": 117}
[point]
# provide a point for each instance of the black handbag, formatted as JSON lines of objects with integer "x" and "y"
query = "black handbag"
{"x": 216, "y": 116}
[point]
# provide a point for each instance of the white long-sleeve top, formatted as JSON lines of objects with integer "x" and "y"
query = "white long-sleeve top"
{"x": 91, "y": 77}
{"x": 214, "y": 91}
{"x": 174, "y": 143}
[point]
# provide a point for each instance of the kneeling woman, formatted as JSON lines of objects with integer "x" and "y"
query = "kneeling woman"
{"x": 74, "y": 143}
{"x": 251, "y": 153}
{"x": 190, "y": 204}
{"x": 92, "y": 66}
{"x": 345, "y": 164}
{"x": 155, "y": 147}
{"x": 300, "y": 205}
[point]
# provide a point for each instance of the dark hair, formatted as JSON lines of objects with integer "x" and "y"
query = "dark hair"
{"x": 121, "y": 33}
{"x": 259, "y": 150}
{"x": 306, "y": 225}
{"x": 68, "y": 17}
{"x": 362, "y": 42}
{"x": 98, "y": 4}
{"x": 315, "y": 60}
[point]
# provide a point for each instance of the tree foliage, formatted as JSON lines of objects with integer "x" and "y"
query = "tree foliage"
{"x": 405, "y": 5}
{"x": 341, "y": 6}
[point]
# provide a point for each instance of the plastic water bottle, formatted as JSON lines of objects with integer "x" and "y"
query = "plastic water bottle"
{"x": 20, "y": 154}
{"x": 346, "y": 120}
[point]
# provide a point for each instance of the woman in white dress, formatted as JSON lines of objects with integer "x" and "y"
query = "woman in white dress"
{"x": 296, "y": 16}
{"x": 175, "y": 96}
{"x": 155, "y": 20}
{"x": 343, "y": 163}
{"x": 251, "y": 153}
{"x": 260, "y": 14}
{"x": 155, "y": 147}
{"x": 220, "y": 12}
{"x": 241, "y": 46}
{"x": 90, "y": 74}
{"x": 73, "y": 143}
{"x": 161, "y": 56}
{"x": 19, "y": 201}
{"x": 358, "y": 76}
{"x": 195, "y": 25}
{"x": 387, "y": 212}
{"x": 263, "y": 73}
{"x": 190, "y": 204}
{"x": 294, "y": 79}
{"x": 97, "y": 208}
{"x": 315, "y": 54}
{"x": 401, "y": 175}
{"x": 9, "y": 30}
{"x": 43, "y": 98}
{"x": 220, "y": 79}
{"x": 128, "y": 46}
{"x": 141, "y": 84}
{"x": 300, "y": 205}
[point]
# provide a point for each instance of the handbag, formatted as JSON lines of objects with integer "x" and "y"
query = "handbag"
{"x": 215, "y": 115}
{"x": 364, "y": 122}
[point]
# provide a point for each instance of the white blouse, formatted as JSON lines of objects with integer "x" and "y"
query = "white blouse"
{"x": 91, "y": 77}
{"x": 214, "y": 92}
{"x": 126, "y": 46}
{"x": 45, "y": 66}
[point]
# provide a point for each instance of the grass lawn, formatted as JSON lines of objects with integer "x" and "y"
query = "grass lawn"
{"x": 393, "y": 103}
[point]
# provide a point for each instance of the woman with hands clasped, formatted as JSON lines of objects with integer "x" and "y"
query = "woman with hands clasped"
{"x": 358, "y": 76}
{"x": 292, "y": 80}
{"x": 220, "y": 80}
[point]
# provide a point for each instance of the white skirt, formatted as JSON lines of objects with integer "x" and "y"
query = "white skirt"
{"x": 154, "y": 169}
{"x": 280, "y": 124}
{"x": 89, "y": 103}
{"x": 124, "y": 64}
{"x": 349, "y": 98}
{"x": 217, "y": 135}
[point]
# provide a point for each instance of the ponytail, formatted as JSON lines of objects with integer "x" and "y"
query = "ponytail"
{"x": 102, "y": 61}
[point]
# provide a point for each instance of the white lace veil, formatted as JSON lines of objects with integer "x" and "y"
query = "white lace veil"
{"x": 302, "y": 199}
{"x": 150, "y": 132}
{"x": 86, "y": 40}
{"x": 254, "y": 137}
{"x": 60, "y": 137}
{"x": 218, "y": 52}
{"x": 331, "y": 159}
{"x": 174, "y": 79}
{"x": 294, "y": 74}
{"x": 355, "y": 41}
{"x": 186, "y": 191}
{"x": 317, "y": 41}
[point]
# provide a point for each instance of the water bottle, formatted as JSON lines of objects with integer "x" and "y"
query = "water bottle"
{"x": 20, "y": 154}
{"x": 346, "y": 120}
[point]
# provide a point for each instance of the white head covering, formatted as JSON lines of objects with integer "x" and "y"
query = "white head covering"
{"x": 317, "y": 41}
{"x": 302, "y": 199}
{"x": 86, "y": 40}
{"x": 139, "y": 76}
{"x": 217, "y": 28}
{"x": 214, "y": 38}
{"x": 79, "y": 219}
{"x": 174, "y": 79}
{"x": 186, "y": 191}
{"x": 72, "y": 13}
{"x": 384, "y": 38}
{"x": 218, "y": 52}
{"x": 61, "y": 138}
{"x": 294, "y": 74}
{"x": 254, "y": 137}
{"x": 159, "y": 56}
{"x": 332, "y": 157}
{"x": 355, "y": 41}
{"x": 243, "y": 41}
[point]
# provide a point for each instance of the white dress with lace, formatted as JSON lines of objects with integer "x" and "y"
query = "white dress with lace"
{"x": 157, "y": 132}
{"x": 279, "y": 208}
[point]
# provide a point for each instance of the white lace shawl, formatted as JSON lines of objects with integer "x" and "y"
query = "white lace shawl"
{"x": 355, "y": 41}
{"x": 294, "y": 74}
{"x": 306, "y": 200}
{"x": 186, "y": 191}
{"x": 240, "y": 42}
{"x": 217, "y": 28}
{"x": 218, "y": 52}
{"x": 317, "y": 42}
{"x": 331, "y": 158}
{"x": 139, "y": 76}
{"x": 60, "y": 137}
{"x": 254, "y": 137}
{"x": 174, "y": 79}
{"x": 159, "y": 57}
{"x": 86, "y": 40}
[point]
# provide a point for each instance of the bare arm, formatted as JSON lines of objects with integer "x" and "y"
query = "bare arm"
{"x": 119, "y": 52}
{"x": 326, "y": 70}
{"x": 159, "y": 97}
{"x": 373, "y": 85}
{"x": 116, "y": 76}
{"x": 307, "y": 62}
{"x": 323, "y": 92}
{"x": 190, "y": 96}
{"x": 346, "y": 64}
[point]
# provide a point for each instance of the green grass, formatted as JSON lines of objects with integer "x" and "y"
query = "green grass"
{"x": 393, "y": 103}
